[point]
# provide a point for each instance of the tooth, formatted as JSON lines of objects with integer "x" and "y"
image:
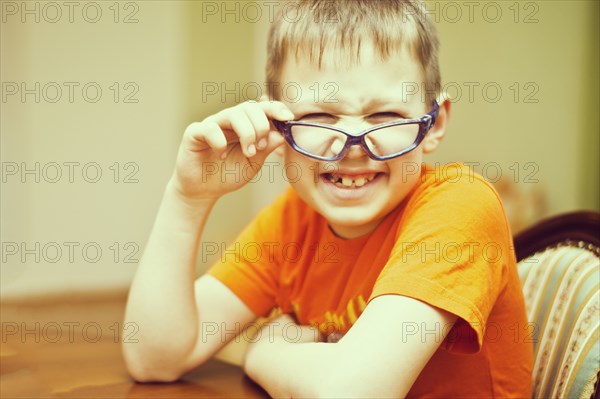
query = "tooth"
{"x": 359, "y": 182}
{"x": 346, "y": 181}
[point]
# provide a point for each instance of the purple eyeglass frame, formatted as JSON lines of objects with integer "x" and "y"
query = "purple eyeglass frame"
{"x": 426, "y": 122}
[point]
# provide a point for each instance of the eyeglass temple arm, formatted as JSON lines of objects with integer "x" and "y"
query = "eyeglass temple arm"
{"x": 434, "y": 113}
{"x": 279, "y": 125}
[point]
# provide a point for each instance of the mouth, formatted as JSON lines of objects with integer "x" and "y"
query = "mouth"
{"x": 352, "y": 181}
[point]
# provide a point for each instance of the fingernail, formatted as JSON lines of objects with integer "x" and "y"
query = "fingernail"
{"x": 262, "y": 143}
{"x": 251, "y": 150}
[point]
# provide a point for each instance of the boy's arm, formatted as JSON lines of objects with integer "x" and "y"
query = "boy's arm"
{"x": 166, "y": 307}
{"x": 380, "y": 356}
{"x": 169, "y": 311}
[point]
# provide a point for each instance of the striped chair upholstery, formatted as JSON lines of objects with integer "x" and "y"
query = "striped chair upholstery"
{"x": 561, "y": 285}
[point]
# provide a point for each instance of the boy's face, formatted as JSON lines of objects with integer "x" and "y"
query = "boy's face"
{"x": 354, "y": 98}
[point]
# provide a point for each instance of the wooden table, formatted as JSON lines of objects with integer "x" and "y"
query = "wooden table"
{"x": 35, "y": 362}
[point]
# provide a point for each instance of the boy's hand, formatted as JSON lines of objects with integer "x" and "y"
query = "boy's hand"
{"x": 285, "y": 327}
{"x": 282, "y": 328}
{"x": 226, "y": 150}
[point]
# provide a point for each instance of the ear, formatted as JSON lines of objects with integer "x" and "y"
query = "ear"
{"x": 438, "y": 131}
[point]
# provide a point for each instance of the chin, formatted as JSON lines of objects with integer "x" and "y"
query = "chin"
{"x": 350, "y": 219}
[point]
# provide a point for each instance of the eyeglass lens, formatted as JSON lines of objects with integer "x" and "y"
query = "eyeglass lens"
{"x": 382, "y": 142}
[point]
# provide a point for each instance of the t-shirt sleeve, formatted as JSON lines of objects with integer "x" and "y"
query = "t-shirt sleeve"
{"x": 250, "y": 267}
{"x": 452, "y": 251}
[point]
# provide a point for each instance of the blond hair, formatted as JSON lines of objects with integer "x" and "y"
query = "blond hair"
{"x": 309, "y": 28}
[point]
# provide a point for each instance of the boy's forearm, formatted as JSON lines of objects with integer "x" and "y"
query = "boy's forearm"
{"x": 161, "y": 300}
{"x": 287, "y": 369}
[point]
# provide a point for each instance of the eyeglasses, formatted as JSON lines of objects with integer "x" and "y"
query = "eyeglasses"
{"x": 381, "y": 142}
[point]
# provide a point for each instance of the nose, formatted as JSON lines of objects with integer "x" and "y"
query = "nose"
{"x": 356, "y": 152}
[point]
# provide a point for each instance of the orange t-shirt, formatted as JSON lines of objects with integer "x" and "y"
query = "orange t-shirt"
{"x": 447, "y": 244}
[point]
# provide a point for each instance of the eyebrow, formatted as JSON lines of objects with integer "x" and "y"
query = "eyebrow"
{"x": 378, "y": 104}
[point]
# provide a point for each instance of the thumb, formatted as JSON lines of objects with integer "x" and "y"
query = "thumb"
{"x": 274, "y": 140}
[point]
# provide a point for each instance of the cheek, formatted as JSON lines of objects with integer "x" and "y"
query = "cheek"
{"x": 408, "y": 168}
{"x": 298, "y": 169}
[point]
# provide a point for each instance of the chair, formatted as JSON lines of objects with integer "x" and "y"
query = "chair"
{"x": 559, "y": 268}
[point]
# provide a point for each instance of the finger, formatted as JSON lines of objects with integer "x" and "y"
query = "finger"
{"x": 276, "y": 110}
{"x": 205, "y": 135}
{"x": 215, "y": 138}
{"x": 245, "y": 131}
{"x": 196, "y": 133}
{"x": 260, "y": 122}
{"x": 274, "y": 140}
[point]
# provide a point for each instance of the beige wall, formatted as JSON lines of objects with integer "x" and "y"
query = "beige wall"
{"x": 178, "y": 48}
{"x": 551, "y": 49}
{"x": 165, "y": 55}
{"x": 84, "y": 129}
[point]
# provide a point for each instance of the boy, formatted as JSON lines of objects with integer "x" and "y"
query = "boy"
{"x": 411, "y": 267}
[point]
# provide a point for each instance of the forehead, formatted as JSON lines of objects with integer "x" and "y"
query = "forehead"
{"x": 351, "y": 82}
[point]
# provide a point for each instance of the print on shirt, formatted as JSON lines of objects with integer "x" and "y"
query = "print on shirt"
{"x": 331, "y": 322}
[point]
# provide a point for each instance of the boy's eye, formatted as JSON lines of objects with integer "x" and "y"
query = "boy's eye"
{"x": 383, "y": 117}
{"x": 377, "y": 118}
{"x": 319, "y": 118}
